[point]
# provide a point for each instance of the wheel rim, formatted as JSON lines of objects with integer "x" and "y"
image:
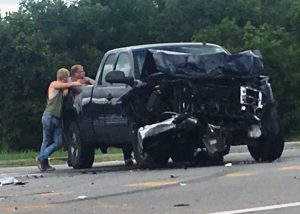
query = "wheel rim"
{"x": 73, "y": 146}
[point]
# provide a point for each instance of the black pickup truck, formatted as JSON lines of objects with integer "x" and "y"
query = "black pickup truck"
{"x": 184, "y": 101}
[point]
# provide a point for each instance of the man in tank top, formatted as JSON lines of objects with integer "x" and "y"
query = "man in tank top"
{"x": 51, "y": 119}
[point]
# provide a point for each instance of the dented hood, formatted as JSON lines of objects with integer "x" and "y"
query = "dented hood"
{"x": 216, "y": 65}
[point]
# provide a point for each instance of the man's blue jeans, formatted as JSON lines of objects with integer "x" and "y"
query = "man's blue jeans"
{"x": 52, "y": 135}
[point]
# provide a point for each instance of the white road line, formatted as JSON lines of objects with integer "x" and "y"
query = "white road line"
{"x": 258, "y": 209}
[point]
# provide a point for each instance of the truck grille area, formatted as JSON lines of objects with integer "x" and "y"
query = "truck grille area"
{"x": 218, "y": 100}
{"x": 250, "y": 99}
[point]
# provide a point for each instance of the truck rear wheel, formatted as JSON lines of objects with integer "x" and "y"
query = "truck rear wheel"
{"x": 80, "y": 155}
{"x": 270, "y": 145}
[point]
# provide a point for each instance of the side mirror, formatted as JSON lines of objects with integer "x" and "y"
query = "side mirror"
{"x": 118, "y": 77}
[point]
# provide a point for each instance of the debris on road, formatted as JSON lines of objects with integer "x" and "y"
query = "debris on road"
{"x": 81, "y": 197}
{"x": 228, "y": 164}
{"x": 10, "y": 180}
{"x": 173, "y": 176}
{"x": 181, "y": 205}
{"x": 182, "y": 184}
{"x": 34, "y": 175}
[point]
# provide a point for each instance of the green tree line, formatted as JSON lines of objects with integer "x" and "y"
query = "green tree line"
{"x": 45, "y": 35}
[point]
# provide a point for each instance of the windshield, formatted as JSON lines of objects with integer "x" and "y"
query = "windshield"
{"x": 139, "y": 54}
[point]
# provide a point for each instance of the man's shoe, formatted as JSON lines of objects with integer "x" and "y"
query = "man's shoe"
{"x": 40, "y": 164}
{"x": 48, "y": 167}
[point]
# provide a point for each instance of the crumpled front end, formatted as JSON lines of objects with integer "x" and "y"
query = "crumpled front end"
{"x": 210, "y": 99}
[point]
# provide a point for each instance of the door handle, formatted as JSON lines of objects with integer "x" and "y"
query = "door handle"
{"x": 109, "y": 97}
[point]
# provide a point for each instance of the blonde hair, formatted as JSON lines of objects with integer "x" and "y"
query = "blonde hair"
{"x": 62, "y": 73}
{"x": 75, "y": 68}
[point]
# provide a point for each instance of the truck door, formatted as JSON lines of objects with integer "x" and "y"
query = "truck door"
{"x": 100, "y": 100}
{"x": 115, "y": 122}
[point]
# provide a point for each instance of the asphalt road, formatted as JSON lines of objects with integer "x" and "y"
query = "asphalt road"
{"x": 242, "y": 186}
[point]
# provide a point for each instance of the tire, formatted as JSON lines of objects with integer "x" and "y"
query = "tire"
{"x": 270, "y": 145}
{"x": 204, "y": 159}
{"x": 155, "y": 157}
{"x": 80, "y": 155}
{"x": 183, "y": 153}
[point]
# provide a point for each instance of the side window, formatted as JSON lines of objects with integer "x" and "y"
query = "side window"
{"x": 123, "y": 64}
{"x": 108, "y": 66}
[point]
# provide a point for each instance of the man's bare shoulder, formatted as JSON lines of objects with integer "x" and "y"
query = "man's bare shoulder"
{"x": 52, "y": 84}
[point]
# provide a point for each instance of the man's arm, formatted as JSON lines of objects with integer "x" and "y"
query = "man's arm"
{"x": 63, "y": 85}
{"x": 89, "y": 81}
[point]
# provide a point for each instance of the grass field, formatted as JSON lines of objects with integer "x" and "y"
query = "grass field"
{"x": 27, "y": 158}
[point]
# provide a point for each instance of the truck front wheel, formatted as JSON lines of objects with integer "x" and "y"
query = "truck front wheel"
{"x": 80, "y": 155}
{"x": 155, "y": 156}
{"x": 183, "y": 153}
{"x": 270, "y": 145}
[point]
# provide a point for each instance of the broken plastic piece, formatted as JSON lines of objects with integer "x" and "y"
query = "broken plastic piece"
{"x": 81, "y": 197}
{"x": 8, "y": 180}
